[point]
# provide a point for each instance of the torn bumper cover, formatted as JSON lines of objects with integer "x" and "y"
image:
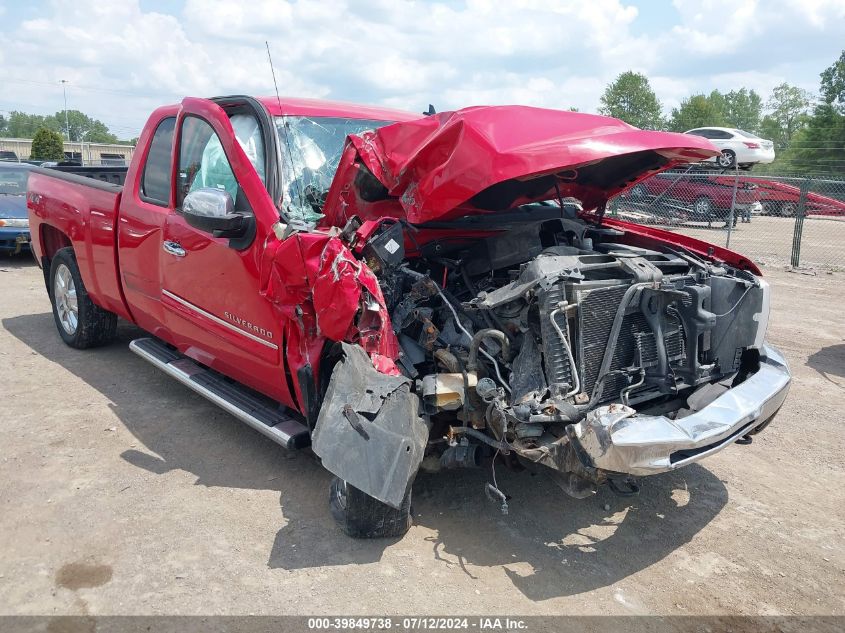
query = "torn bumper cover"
{"x": 616, "y": 439}
{"x": 369, "y": 432}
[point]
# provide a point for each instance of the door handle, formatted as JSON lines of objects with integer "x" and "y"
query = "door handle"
{"x": 173, "y": 248}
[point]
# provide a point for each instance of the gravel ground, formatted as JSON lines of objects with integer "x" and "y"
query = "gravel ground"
{"x": 121, "y": 492}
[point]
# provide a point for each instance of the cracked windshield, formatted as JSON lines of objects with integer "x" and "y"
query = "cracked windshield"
{"x": 312, "y": 147}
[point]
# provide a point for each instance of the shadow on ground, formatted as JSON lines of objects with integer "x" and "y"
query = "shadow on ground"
{"x": 549, "y": 545}
{"x": 21, "y": 260}
{"x": 829, "y": 361}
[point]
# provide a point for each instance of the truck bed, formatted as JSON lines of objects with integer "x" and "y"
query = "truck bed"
{"x": 111, "y": 175}
{"x": 66, "y": 208}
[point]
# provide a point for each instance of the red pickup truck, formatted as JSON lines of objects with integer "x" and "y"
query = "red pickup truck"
{"x": 401, "y": 292}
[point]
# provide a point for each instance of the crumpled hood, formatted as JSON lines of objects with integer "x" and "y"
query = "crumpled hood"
{"x": 491, "y": 158}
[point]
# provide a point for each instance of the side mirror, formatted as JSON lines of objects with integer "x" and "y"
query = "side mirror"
{"x": 213, "y": 211}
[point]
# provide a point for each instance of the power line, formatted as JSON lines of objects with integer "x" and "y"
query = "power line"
{"x": 87, "y": 88}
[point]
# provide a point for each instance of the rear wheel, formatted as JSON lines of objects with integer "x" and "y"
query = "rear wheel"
{"x": 80, "y": 322}
{"x": 361, "y": 516}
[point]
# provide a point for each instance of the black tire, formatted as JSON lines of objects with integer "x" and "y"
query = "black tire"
{"x": 727, "y": 159}
{"x": 788, "y": 209}
{"x": 702, "y": 209}
{"x": 361, "y": 516}
{"x": 90, "y": 325}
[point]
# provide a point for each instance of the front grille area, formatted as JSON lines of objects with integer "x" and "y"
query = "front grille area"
{"x": 597, "y": 309}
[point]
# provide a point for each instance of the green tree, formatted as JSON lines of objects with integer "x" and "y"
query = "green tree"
{"x": 819, "y": 147}
{"x": 83, "y": 127}
{"x": 743, "y": 109}
{"x": 695, "y": 111}
{"x": 788, "y": 108}
{"x": 47, "y": 145}
{"x": 718, "y": 101}
{"x": 833, "y": 84}
{"x": 23, "y": 125}
{"x": 631, "y": 99}
{"x": 817, "y": 142}
{"x": 3, "y": 124}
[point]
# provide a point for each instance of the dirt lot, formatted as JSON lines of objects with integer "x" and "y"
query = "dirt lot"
{"x": 769, "y": 240}
{"x": 121, "y": 492}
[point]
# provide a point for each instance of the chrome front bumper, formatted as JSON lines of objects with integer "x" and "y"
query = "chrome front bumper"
{"x": 619, "y": 440}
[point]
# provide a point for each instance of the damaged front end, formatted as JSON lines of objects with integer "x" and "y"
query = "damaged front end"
{"x": 534, "y": 334}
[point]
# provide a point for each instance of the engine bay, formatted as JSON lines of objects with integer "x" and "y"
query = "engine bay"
{"x": 511, "y": 339}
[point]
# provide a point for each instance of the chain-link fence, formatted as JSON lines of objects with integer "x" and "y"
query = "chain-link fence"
{"x": 775, "y": 220}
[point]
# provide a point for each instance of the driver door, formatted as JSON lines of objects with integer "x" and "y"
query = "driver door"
{"x": 210, "y": 288}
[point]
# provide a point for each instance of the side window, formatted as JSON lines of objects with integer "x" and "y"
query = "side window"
{"x": 721, "y": 134}
{"x": 698, "y": 133}
{"x": 155, "y": 183}
{"x": 202, "y": 161}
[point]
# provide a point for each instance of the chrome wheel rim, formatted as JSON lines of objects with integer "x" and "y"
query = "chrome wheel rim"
{"x": 64, "y": 294}
{"x": 702, "y": 206}
{"x": 725, "y": 159}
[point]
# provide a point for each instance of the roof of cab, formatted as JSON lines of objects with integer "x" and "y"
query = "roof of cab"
{"x": 317, "y": 107}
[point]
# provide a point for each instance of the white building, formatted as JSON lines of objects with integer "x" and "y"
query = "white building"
{"x": 87, "y": 153}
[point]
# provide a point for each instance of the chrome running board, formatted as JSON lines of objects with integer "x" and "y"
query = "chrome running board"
{"x": 255, "y": 410}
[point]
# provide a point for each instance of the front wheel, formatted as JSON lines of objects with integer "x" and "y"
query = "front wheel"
{"x": 81, "y": 323}
{"x": 727, "y": 159}
{"x": 703, "y": 208}
{"x": 361, "y": 516}
{"x": 788, "y": 209}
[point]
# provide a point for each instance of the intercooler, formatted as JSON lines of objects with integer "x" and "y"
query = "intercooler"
{"x": 597, "y": 308}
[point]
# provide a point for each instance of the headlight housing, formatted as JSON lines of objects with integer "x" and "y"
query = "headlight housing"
{"x": 14, "y": 223}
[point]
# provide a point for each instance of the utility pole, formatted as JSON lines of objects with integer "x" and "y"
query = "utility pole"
{"x": 67, "y": 124}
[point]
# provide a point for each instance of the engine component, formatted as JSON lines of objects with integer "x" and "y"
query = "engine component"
{"x": 463, "y": 455}
{"x": 387, "y": 247}
{"x": 445, "y": 392}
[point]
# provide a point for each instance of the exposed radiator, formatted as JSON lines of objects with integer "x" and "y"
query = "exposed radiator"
{"x": 557, "y": 364}
{"x": 596, "y": 311}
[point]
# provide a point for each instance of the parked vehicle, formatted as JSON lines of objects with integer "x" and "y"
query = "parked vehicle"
{"x": 780, "y": 198}
{"x": 14, "y": 221}
{"x": 707, "y": 197}
{"x": 738, "y": 147}
{"x": 417, "y": 291}
{"x": 8, "y": 155}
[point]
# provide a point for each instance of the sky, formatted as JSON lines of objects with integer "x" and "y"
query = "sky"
{"x": 123, "y": 58}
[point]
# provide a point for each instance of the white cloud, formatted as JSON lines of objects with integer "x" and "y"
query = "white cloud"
{"x": 121, "y": 61}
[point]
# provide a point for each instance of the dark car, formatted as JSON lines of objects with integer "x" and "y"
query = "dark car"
{"x": 14, "y": 223}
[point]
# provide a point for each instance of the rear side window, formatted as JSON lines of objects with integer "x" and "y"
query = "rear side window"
{"x": 720, "y": 134}
{"x": 155, "y": 184}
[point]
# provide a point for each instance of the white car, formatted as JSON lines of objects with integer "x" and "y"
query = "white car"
{"x": 739, "y": 148}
